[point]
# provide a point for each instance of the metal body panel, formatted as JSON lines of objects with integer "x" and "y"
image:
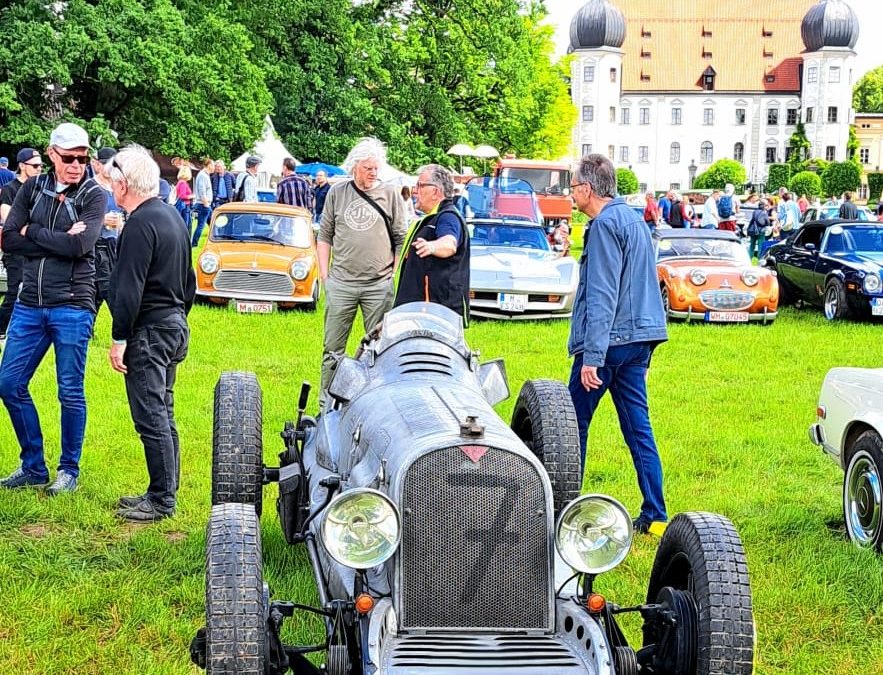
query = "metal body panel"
{"x": 849, "y": 396}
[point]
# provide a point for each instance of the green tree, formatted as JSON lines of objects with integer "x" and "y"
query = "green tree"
{"x": 841, "y": 177}
{"x": 720, "y": 173}
{"x": 626, "y": 181}
{"x": 806, "y": 183}
{"x": 867, "y": 95}
{"x": 777, "y": 176}
{"x": 800, "y": 147}
{"x": 852, "y": 145}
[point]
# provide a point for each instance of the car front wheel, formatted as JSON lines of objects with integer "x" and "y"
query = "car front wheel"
{"x": 863, "y": 492}
{"x": 836, "y": 303}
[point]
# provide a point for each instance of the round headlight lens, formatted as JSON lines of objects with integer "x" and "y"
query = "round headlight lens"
{"x": 594, "y": 534}
{"x": 361, "y": 528}
{"x": 697, "y": 277}
{"x": 208, "y": 263}
{"x": 300, "y": 269}
{"x": 872, "y": 283}
{"x": 750, "y": 277}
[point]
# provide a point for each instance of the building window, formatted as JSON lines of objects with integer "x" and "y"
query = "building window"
{"x": 642, "y": 188}
{"x": 864, "y": 155}
{"x": 766, "y": 32}
{"x": 792, "y": 117}
{"x": 644, "y": 116}
{"x": 772, "y": 116}
{"x": 588, "y": 113}
{"x": 788, "y": 152}
{"x": 625, "y": 116}
{"x": 812, "y": 75}
{"x": 740, "y": 116}
{"x": 613, "y": 74}
{"x": 706, "y": 153}
{"x": 643, "y": 154}
{"x": 770, "y": 155}
{"x": 674, "y": 186}
{"x": 809, "y": 115}
{"x": 613, "y": 113}
{"x": 834, "y": 74}
{"x": 587, "y": 149}
{"x": 611, "y": 152}
{"x": 674, "y": 156}
{"x": 623, "y": 153}
{"x": 708, "y": 116}
{"x": 829, "y": 153}
{"x": 588, "y": 73}
{"x": 832, "y": 114}
{"x": 645, "y": 54}
{"x": 645, "y": 33}
{"x": 708, "y": 75}
{"x": 675, "y": 115}
{"x": 739, "y": 152}
{"x": 706, "y": 32}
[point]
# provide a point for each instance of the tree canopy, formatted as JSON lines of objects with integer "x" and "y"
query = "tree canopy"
{"x": 720, "y": 173}
{"x": 867, "y": 95}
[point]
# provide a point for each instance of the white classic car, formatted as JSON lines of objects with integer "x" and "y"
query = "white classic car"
{"x": 850, "y": 429}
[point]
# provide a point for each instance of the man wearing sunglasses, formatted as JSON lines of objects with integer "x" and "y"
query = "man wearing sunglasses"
{"x": 29, "y": 165}
{"x": 54, "y": 222}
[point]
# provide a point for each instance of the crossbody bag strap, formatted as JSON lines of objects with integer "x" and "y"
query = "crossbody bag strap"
{"x": 383, "y": 214}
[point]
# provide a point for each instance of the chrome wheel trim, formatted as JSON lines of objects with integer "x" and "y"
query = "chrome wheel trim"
{"x": 831, "y": 303}
{"x": 863, "y": 501}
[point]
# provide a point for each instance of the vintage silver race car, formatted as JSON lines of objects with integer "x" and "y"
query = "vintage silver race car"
{"x": 849, "y": 428}
{"x": 443, "y": 541}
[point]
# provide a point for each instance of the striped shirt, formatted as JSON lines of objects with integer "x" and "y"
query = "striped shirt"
{"x": 295, "y": 191}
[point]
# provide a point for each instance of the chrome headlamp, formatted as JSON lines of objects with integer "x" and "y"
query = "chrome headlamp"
{"x": 300, "y": 269}
{"x": 750, "y": 278}
{"x": 209, "y": 263}
{"x": 593, "y": 534}
{"x": 361, "y": 528}
{"x": 698, "y": 277}
{"x": 871, "y": 284}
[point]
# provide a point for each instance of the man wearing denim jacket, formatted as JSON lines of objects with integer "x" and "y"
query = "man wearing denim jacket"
{"x": 617, "y": 322}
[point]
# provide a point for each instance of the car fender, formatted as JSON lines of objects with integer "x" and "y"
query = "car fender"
{"x": 852, "y": 400}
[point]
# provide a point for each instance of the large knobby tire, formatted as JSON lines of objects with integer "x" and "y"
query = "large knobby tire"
{"x": 545, "y": 420}
{"x": 702, "y": 554}
{"x": 237, "y": 445}
{"x": 863, "y": 492}
{"x": 235, "y": 596}
{"x": 836, "y": 303}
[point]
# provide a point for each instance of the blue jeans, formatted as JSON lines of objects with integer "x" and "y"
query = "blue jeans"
{"x": 185, "y": 212}
{"x": 31, "y": 331}
{"x": 202, "y": 216}
{"x": 624, "y": 374}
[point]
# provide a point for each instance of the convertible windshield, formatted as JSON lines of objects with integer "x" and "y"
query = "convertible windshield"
{"x": 832, "y": 212}
{"x": 508, "y": 198}
{"x": 690, "y": 247}
{"x": 855, "y": 240}
{"x": 543, "y": 181}
{"x": 513, "y": 236}
{"x": 287, "y": 230}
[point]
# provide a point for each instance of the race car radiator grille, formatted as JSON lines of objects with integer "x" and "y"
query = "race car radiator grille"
{"x": 726, "y": 301}
{"x": 254, "y": 282}
{"x": 475, "y": 542}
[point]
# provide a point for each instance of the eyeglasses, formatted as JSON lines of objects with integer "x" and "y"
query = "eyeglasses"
{"x": 576, "y": 185}
{"x": 420, "y": 185}
{"x": 116, "y": 165}
{"x": 70, "y": 159}
{"x": 36, "y": 165}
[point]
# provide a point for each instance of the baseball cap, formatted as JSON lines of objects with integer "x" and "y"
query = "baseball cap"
{"x": 105, "y": 154}
{"x": 26, "y": 154}
{"x": 4, "y": 161}
{"x": 253, "y": 161}
{"x": 68, "y": 136}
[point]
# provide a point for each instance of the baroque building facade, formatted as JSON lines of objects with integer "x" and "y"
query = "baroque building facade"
{"x": 669, "y": 88}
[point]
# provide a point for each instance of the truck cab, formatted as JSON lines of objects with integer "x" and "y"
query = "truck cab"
{"x": 549, "y": 180}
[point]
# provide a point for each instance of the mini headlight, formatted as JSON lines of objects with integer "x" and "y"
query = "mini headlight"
{"x": 300, "y": 269}
{"x": 871, "y": 283}
{"x": 361, "y": 528}
{"x": 750, "y": 277}
{"x": 697, "y": 277}
{"x": 208, "y": 263}
{"x": 594, "y": 534}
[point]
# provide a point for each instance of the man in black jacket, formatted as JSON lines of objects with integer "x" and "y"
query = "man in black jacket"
{"x": 151, "y": 291}
{"x": 54, "y": 223}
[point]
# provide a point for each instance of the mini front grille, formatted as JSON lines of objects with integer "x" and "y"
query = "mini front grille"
{"x": 243, "y": 281}
{"x": 726, "y": 301}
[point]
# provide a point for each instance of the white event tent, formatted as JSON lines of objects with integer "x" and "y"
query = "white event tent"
{"x": 271, "y": 151}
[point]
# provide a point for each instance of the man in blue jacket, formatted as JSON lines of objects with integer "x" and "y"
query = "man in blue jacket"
{"x": 617, "y": 322}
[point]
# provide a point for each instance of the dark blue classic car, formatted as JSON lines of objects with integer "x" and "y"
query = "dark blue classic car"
{"x": 833, "y": 264}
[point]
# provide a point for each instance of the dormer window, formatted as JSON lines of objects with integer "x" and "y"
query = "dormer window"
{"x": 766, "y": 32}
{"x": 708, "y": 78}
{"x": 645, "y": 33}
{"x": 705, "y": 32}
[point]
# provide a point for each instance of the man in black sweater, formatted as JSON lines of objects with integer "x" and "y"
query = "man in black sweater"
{"x": 151, "y": 291}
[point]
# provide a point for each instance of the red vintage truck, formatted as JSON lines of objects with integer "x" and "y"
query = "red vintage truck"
{"x": 550, "y": 181}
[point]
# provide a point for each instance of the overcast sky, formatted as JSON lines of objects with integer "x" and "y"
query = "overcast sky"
{"x": 869, "y": 12}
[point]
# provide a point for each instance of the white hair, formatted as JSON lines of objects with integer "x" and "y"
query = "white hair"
{"x": 134, "y": 164}
{"x": 365, "y": 148}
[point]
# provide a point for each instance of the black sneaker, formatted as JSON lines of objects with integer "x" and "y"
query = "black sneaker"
{"x": 20, "y": 479}
{"x": 129, "y": 501}
{"x": 144, "y": 511}
{"x": 64, "y": 482}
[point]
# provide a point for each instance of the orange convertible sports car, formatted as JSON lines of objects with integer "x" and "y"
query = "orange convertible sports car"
{"x": 706, "y": 275}
{"x": 258, "y": 257}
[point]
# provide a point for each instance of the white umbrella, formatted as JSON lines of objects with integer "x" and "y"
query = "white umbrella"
{"x": 486, "y": 152}
{"x": 460, "y": 150}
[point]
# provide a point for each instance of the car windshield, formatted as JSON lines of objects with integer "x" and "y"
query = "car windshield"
{"x": 699, "y": 247}
{"x": 543, "y": 181}
{"x": 287, "y": 230}
{"x": 422, "y": 319}
{"x": 513, "y": 236}
{"x": 832, "y": 212}
{"x": 855, "y": 240}
{"x": 508, "y": 198}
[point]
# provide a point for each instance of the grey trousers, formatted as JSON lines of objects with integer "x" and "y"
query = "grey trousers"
{"x": 342, "y": 299}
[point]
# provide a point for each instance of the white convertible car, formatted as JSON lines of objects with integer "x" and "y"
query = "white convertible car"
{"x": 850, "y": 429}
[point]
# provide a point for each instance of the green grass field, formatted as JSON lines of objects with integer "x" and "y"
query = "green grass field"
{"x": 83, "y": 593}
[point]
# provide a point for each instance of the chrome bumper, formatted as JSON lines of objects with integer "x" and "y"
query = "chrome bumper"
{"x": 253, "y": 297}
{"x": 762, "y": 317}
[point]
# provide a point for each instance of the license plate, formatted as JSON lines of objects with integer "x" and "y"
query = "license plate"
{"x": 877, "y": 306}
{"x": 727, "y": 317}
{"x": 509, "y": 302}
{"x": 254, "y": 307}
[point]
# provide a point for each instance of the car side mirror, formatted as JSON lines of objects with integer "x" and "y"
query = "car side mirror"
{"x": 493, "y": 380}
{"x": 811, "y": 248}
{"x": 350, "y": 377}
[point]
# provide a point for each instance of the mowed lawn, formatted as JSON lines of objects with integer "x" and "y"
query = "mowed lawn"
{"x": 83, "y": 593}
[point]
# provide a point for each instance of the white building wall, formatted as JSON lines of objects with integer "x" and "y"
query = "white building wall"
{"x": 820, "y": 93}
{"x": 602, "y": 93}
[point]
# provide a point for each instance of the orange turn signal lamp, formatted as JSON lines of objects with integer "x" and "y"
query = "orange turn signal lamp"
{"x": 596, "y": 603}
{"x": 364, "y": 603}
